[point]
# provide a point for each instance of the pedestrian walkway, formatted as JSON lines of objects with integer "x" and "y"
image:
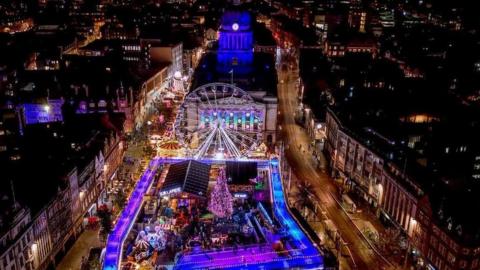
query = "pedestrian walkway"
{"x": 387, "y": 241}
{"x": 314, "y": 221}
{"x": 81, "y": 248}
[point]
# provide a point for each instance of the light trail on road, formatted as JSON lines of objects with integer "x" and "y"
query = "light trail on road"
{"x": 321, "y": 184}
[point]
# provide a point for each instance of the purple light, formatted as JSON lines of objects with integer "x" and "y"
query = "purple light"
{"x": 255, "y": 256}
{"x": 127, "y": 218}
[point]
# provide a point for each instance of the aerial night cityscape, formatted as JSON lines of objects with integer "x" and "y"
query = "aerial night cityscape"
{"x": 239, "y": 134}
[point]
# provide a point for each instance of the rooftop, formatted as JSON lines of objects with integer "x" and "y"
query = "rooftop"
{"x": 381, "y": 119}
{"x": 240, "y": 173}
{"x": 187, "y": 176}
{"x": 64, "y": 146}
{"x": 261, "y": 75}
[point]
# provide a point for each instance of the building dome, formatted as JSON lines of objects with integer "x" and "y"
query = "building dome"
{"x": 231, "y": 19}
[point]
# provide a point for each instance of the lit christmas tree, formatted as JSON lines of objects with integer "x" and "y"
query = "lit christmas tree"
{"x": 221, "y": 201}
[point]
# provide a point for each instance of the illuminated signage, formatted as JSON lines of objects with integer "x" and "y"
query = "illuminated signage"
{"x": 240, "y": 195}
{"x": 170, "y": 191}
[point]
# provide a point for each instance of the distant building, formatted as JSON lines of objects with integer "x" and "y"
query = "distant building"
{"x": 426, "y": 206}
{"x": 17, "y": 246}
{"x": 338, "y": 47}
{"x": 60, "y": 182}
{"x": 357, "y": 19}
{"x": 387, "y": 18}
{"x": 159, "y": 52}
{"x": 252, "y": 74}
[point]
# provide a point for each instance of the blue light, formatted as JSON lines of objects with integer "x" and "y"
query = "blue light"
{"x": 127, "y": 218}
{"x": 235, "y": 46}
{"x": 307, "y": 256}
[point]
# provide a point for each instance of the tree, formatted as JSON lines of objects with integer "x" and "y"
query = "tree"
{"x": 105, "y": 216}
{"x": 221, "y": 201}
{"x": 303, "y": 198}
{"x": 119, "y": 200}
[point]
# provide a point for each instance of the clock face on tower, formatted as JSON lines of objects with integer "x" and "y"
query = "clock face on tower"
{"x": 235, "y": 26}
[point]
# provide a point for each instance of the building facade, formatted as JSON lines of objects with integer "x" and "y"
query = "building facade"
{"x": 397, "y": 196}
{"x": 40, "y": 241}
{"x": 16, "y": 242}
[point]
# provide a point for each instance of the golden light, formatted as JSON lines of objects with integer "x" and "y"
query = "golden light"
{"x": 81, "y": 194}
{"x": 34, "y": 247}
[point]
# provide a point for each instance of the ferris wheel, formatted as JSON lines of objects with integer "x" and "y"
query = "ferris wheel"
{"x": 219, "y": 120}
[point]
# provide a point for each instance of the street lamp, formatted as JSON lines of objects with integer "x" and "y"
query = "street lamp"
{"x": 34, "y": 249}
{"x": 413, "y": 225}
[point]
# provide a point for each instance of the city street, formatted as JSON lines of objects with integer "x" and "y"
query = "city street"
{"x": 80, "y": 250}
{"x": 296, "y": 141}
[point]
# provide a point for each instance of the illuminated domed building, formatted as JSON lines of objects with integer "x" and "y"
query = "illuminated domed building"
{"x": 231, "y": 109}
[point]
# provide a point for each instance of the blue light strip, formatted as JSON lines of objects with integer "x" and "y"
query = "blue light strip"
{"x": 260, "y": 205}
{"x": 283, "y": 214}
{"x": 113, "y": 252}
{"x": 305, "y": 256}
{"x": 116, "y": 238}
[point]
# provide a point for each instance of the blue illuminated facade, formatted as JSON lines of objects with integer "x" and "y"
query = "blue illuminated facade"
{"x": 235, "y": 50}
{"x": 48, "y": 112}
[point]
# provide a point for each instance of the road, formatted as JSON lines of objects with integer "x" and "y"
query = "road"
{"x": 322, "y": 186}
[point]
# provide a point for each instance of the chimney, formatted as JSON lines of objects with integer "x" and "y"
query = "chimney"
{"x": 86, "y": 90}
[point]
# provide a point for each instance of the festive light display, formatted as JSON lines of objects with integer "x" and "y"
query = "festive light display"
{"x": 220, "y": 120}
{"x": 304, "y": 256}
{"x": 127, "y": 218}
{"x": 43, "y": 113}
{"x": 221, "y": 201}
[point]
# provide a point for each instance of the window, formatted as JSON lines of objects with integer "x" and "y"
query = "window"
{"x": 430, "y": 254}
{"x": 433, "y": 242}
{"x": 442, "y": 250}
{"x": 445, "y": 237}
{"x": 451, "y": 258}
